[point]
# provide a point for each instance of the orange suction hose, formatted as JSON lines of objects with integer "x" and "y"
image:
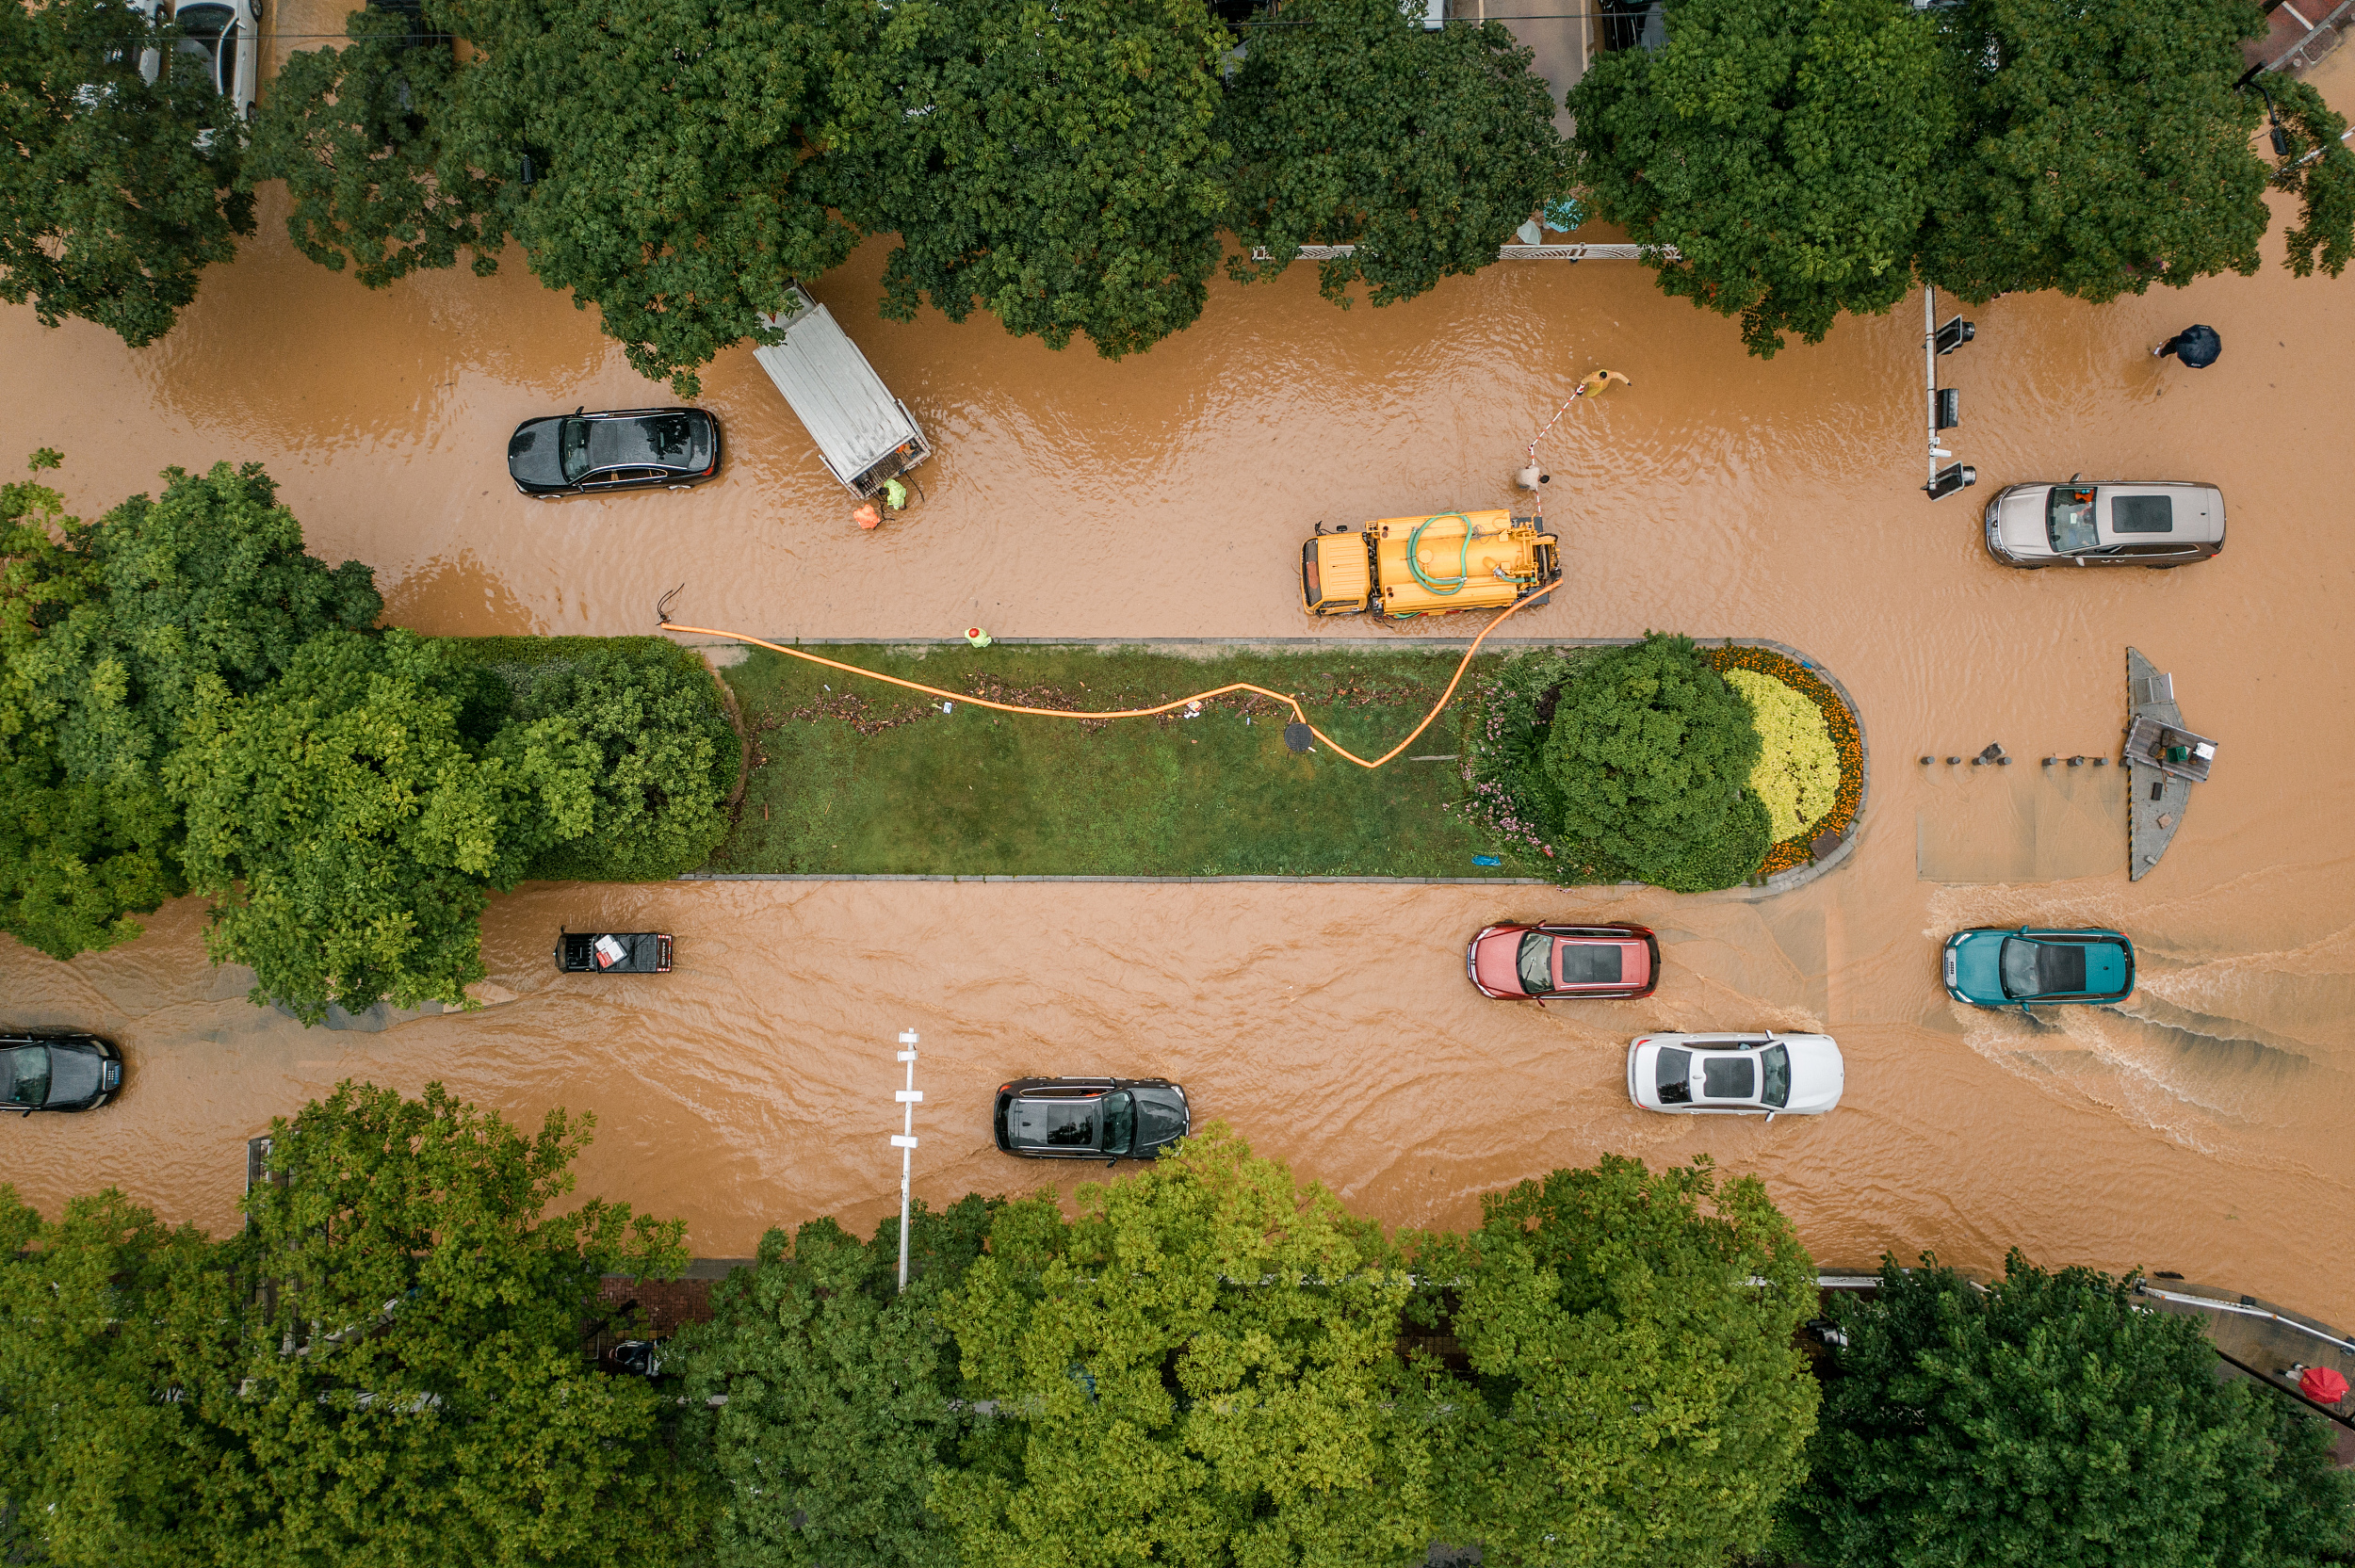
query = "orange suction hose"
{"x": 1287, "y": 699}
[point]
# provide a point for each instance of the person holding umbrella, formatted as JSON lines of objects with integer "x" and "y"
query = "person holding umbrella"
{"x": 2196, "y": 345}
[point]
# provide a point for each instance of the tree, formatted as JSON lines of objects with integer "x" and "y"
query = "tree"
{"x": 838, "y": 1393}
{"x": 99, "y": 1465}
{"x": 1354, "y": 125}
{"x": 107, "y": 631}
{"x": 674, "y": 188}
{"x": 2103, "y": 149}
{"x": 1783, "y": 151}
{"x": 346, "y": 827}
{"x": 2049, "y": 1419}
{"x": 2320, "y": 168}
{"x": 1201, "y": 1369}
{"x": 413, "y": 1384}
{"x": 361, "y": 137}
{"x": 117, "y": 191}
{"x": 1058, "y": 165}
{"x": 1649, "y": 752}
{"x": 663, "y": 757}
{"x": 1637, "y": 1398}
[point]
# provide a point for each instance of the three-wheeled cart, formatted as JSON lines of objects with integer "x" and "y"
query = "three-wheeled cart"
{"x": 864, "y": 435}
{"x": 613, "y": 952}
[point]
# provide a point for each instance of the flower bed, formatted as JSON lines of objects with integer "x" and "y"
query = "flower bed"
{"x": 1798, "y": 849}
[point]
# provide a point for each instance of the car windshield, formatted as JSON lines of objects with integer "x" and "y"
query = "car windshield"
{"x": 1120, "y": 1123}
{"x": 27, "y": 1069}
{"x": 1729, "y": 1077}
{"x": 1775, "y": 1060}
{"x": 1537, "y": 962}
{"x": 2042, "y": 968}
{"x": 1673, "y": 1076}
{"x": 572, "y": 447}
{"x": 2068, "y": 520}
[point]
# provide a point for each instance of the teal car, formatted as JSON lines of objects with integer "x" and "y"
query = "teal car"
{"x": 1995, "y": 967}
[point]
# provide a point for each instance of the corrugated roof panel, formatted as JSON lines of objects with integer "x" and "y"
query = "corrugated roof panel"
{"x": 845, "y": 405}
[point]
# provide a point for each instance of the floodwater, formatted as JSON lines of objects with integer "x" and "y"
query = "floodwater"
{"x": 2193, "y": 1129}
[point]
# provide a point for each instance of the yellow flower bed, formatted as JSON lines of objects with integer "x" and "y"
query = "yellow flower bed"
{"x": 1798, "y": 767}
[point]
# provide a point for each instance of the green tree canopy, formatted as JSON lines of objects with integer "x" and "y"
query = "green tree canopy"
{"x": 660, "y": 754}
{"x": 1637, "y": 1398}
{"x": 2049, "y": 1420}
{"x": 1649, "y": 749}
{"x": 2102, "y": 149}
{"x": 1354, "y": 125}
{"x": 97, "y": 1467}
{"x": 840, "y": 1394}
{"x": 346, "y": 827}
{"x": 1057, "y": 164}
{"x": 673, "y": 184}
{"x": 388, "y": 1365}
{"x": 1803, "y": 161}
{"x": 1201, "y": 1369}
{"x": 439, "y": 1403}
{"x": 1782, "y": 151}
{"x": 117, "y": 191}
{"x": 107, "y": 630}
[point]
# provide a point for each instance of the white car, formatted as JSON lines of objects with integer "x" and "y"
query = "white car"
{"x": 2084, "y": 523}
{"x": 97, "y": 95}
{"x": 1765, "y": 1074}
{"x": 221, "y": 39}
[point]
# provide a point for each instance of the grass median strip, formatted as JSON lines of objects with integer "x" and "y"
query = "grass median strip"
{"x": 853, "y": 776}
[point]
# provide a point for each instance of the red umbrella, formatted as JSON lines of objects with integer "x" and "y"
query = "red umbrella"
{"x": 2322, "y": 1385}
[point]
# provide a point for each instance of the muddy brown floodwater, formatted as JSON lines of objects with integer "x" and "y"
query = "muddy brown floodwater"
{"x": 2201, "y": 1127}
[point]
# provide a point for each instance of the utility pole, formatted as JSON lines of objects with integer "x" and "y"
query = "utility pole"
{"x": 904, "y": 1141}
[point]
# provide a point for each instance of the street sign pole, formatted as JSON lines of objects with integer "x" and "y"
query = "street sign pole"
{"x": 904, "y": 1141}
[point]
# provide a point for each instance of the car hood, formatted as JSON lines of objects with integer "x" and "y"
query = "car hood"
{"x": 2020, "y": 523}
{"x": 73, "y": 1075}
{"x": 532, "y": 455}
{"x": 1162, "y": 1115}
{"x": 1496, "y": 963}
{"x": 1978, "y": 965}
{"x": 1817, "y": 1075}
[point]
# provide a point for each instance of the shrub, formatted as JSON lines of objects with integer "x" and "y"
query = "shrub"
{"x": 664, "y": 755}
{"x": 1728, "y": 855}
{"x": 1649, "y": 749}
{"x": 1797, "y": 774}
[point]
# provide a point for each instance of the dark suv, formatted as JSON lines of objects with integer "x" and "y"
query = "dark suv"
{"x": 45, "y": 1071}
{"x": 587, "y": 454}
{"x": 1107, "y": 1119}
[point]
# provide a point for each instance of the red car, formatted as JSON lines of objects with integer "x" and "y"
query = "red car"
{"x": 1524, "y": 963}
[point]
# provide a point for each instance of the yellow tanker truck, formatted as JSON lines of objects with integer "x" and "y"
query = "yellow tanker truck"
{"x": 1403, "y": 567}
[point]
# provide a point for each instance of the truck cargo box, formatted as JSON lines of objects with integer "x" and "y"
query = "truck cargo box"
{"x": 864, "y": 435}
{"x": 1467, "y": 560}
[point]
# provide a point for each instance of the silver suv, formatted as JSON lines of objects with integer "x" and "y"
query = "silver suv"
{"x": 2082, "y": 523}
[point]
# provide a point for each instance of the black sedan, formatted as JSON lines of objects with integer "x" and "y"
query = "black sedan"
{"x": 58, "y": 1072}
{"x": 1106, "y": 1119}
{"x": 587, "y": 454}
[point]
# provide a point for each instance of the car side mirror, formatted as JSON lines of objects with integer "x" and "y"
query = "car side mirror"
{"x": 1770, "y": 1116}
{"x": 1110, "y": 1163}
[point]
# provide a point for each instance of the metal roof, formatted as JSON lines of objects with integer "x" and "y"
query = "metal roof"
{"x": 845, "y": 405}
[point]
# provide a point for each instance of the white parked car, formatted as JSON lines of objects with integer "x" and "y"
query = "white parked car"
{"x": 1766, "y": 1074}
{"x": 2084, "y": 523}
{"x": 221, "y": 39}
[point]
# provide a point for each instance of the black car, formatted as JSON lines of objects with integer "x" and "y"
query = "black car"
{"x": 1105, "y": 1119}
{"x": 39, "y": 1070}
{"x": 587, "y": 454}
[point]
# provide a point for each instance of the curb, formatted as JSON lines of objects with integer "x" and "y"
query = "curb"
{"x": 1781, "y": 882}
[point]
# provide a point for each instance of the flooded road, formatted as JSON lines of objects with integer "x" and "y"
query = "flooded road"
{"x": 2198, "y": 1129}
